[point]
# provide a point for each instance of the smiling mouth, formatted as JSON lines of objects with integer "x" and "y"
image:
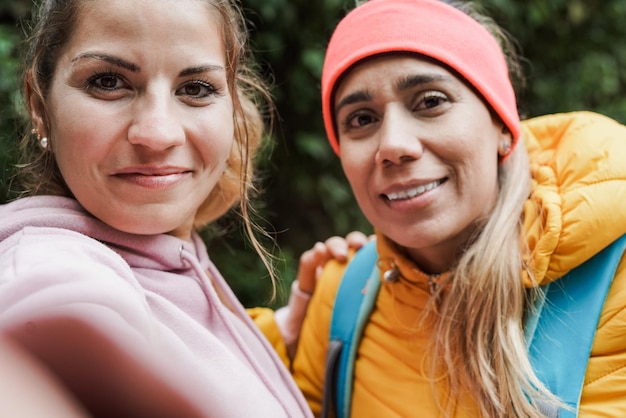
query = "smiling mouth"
{"x": 415, "y": 191}
{"x": 154, "y": 180}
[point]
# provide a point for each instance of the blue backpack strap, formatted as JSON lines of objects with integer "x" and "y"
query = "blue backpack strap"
{"x": 561, "y": 326}
{"x": 356, "y": 296}
{"x": 566, "y": 316}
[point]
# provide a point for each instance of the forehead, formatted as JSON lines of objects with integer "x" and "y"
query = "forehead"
{"x": 393, "y": 71}
{"x": 161, "y": 22}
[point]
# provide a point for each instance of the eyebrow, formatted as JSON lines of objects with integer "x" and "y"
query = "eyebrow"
{"x": 404, "y": 83}
{"x": 411, "y": 81}
{"x": 201, "y": 69}
{"x": 359, "y": 96}
{"x": 135, "y": 68}
{"x": 108, "y": 58}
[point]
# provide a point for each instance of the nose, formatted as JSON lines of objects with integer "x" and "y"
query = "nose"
{"x": 399, "y": 137}
{"x": 156, "y": 122}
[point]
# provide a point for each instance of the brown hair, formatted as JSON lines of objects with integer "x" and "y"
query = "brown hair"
{"x": 52, "y": 26}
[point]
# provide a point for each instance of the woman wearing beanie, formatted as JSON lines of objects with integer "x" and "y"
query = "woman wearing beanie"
{"x": 475, "y": 215}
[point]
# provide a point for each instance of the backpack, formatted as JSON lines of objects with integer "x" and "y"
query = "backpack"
{"x": 564, "y": 317}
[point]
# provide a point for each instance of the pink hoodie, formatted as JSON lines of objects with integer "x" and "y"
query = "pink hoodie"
{"x": 151, "y": 296}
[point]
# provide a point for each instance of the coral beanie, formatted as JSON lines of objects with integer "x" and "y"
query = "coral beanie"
{"x": 427, "y": 27}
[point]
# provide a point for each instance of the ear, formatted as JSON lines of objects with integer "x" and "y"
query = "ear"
{"x": 34, "y": 104}
{"x": 505, "y": 142}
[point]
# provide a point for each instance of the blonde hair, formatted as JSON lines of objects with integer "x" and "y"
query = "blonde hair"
{"x": 478, "y": 336}
{"x": 38, "y": 172}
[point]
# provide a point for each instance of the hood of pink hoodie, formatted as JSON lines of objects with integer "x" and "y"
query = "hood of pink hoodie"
{"x": 161, "y": 287}
{"x": 161, "y": 252}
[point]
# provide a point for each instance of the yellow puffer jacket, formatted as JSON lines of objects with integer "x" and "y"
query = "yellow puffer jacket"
{"x": 579, "y": 171}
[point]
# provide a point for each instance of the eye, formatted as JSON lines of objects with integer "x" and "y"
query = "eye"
{"x": 106, "y": 82}
{"x": 197, "y": 89}
{"x": 431, "y": 100}
{"x": 358, "y": 120}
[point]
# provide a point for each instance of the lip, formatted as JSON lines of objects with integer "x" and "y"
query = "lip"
{"x": 411, "y": 190}
{"x": 150, "y": 170}
{"x": 153, "y": 177}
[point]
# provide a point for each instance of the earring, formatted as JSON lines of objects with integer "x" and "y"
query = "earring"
{"x": 43, "y": 140}
{"x": 504, "y": 148}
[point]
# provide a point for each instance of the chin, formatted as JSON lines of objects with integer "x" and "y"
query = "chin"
{"x": 144, "y": 226}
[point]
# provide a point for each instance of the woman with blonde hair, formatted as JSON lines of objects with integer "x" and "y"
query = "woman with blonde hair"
{"x": 145, "y": 125}
{"x": 472, "y": 209}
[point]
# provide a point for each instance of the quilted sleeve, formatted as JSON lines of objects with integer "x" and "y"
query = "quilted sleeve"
{"x": 310, "y": 360}
{"x": 604, "y": 390}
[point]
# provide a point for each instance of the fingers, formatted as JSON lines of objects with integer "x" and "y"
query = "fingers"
{"x": 337, "y": 247}
{"x": 311, "y": 262}
{"x": 357, "y": 239}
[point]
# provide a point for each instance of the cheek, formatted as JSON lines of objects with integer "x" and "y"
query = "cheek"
{"x": 218, "y": 149}
{"x": 75, "y": 143}
{"x": 351, "y": 166}
{"x": 357, "y": 155}
{"x": 358, "y": 173}
{"x": 483, "y": 187}
{"x": 65, "y": 146}
{"x": 223, "y": 130}
{"x": 79, "y": 127}
{"x": 215, "y": 139}
{"x": 474, "y": 162}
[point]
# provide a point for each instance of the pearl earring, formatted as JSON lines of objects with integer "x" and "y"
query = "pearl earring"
{"x": 43, "y": 141}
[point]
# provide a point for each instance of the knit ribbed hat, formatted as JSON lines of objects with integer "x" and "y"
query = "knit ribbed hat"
{"x": 427, "y": 27}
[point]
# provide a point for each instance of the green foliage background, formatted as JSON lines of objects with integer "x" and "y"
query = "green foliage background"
{"x": 574, "y": 50}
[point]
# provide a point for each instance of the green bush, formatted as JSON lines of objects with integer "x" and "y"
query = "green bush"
{"x": 9, "y": 105}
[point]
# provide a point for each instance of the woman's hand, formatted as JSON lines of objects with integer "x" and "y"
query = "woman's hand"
{"x": 313, "y": 260}
{"x": 289, "y": 318}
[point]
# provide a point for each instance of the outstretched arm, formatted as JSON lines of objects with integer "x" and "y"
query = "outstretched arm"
{"x": 28, "y": 389}
{"x": 77, "y": 369}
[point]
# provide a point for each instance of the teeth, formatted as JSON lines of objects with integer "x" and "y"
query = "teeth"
{"x": 416, "y": 191}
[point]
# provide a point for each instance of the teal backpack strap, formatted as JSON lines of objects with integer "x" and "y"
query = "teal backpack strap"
{"x": 355, "y": 299}
{"x": 560, "y": 327}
